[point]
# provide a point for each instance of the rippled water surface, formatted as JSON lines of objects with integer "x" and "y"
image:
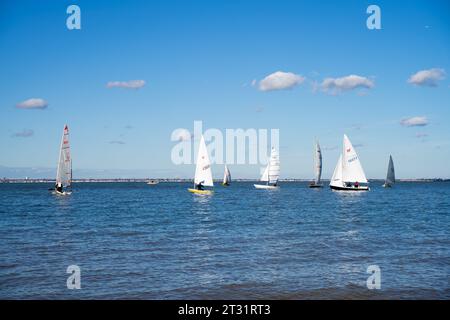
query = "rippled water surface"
{"x": 161, "y": 242}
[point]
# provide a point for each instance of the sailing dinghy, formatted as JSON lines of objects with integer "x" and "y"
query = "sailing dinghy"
{"x": 226, "y": 177}
{"x": 348, "y": 174}
{"x": 390, "y": 177}
{"x": 64, "y": 171}
{"x": 203, "y": 175}
{"x": 271, "y": 173}
{"x": 317, "y": 167}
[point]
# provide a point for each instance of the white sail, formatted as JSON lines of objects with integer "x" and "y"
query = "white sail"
{"x": 274, "y": 167}
{"x": 226, "y": 176}
{"x": 203, "y": 173}
{"x": 390, "y": 177}
{"x": 64, "y": 171}
{"x": 352, "y": 170}
{"x": 336, "y": 179}
{"x": 317, "y": 162}
{"x": 265, "y": 175}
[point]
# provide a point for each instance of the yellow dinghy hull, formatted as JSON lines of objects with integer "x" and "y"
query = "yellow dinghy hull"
{"x": 204, "y": 192}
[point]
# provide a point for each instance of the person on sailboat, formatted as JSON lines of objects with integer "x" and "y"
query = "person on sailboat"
{"x": 199, "y": 186}
{"x": 59, "y": 187}
{"x": 356, "y": 184}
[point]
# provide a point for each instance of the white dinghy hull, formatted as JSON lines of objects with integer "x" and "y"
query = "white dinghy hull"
{"x": 266, "y": 187}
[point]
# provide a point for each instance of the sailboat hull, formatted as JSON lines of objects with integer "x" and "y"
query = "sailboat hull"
{"x": 225, "y": 184}
{"x": 360, "y": 188}
{"x": 266, "y": 187}
{"x": 203, "y": 192}
{"x": 313, "y": 185}
{"x": 64, "y": 193}
{"x": 387, "y": 185}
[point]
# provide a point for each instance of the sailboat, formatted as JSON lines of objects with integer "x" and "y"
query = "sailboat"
{"x": 348, "y": 173}
{"x": 226, "y": 176}
{"x": 64, "y": 171}
{"x": 271, "y": 173}
{"x": 203, "y": 175}
{"x": 317, "y": 166}
{"x": 390, "y": 177}
{"x": 152, "y": 182}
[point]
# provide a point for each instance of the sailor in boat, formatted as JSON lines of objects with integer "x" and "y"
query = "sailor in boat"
{"x": 199, "y": 186}
{"x": 356, "y": 185}
{"x": 59, "y": 187}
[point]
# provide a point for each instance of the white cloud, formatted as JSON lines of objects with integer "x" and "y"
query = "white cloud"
{"x": 33, "y": 103}
{"x": 132, "y": 84}
{"x": 427, "y": 78}
{"x": 338, "y": 85}
{"x": 414, "y": 122}
{"x": 280, "y": 81}
{"x": 25, "y": 133}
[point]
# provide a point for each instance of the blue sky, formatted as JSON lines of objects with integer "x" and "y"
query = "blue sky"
{"x": 199, "y": 59}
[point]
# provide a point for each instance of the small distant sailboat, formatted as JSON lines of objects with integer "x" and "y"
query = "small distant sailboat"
{"x": 64, "y": 171}
{"x": 317, "y": 167}
{"x": 152, "y": 182}
{"x": 271, "y": 173}
{"x": 390, "y": 177}
{"x": 226, "y": 177}
{"x": 203, "y": 174}
{"x": 348, "y": 173}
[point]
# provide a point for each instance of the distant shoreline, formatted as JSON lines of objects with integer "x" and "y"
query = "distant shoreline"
{"x": 141, "y": 180}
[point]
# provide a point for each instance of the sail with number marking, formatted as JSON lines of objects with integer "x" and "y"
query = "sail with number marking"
{"x": 64, "y": 171}
{"x": 203, "y": 172}
{"x": 352, "y": 170}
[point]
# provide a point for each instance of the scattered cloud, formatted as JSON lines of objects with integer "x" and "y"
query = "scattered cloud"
{"x": 337, "y": 85}
{"x": 421, "y": 135}
{"x": 33, "y": 103}
{"x": 128, "y": 127}
{"x": 358, "y": 145}
{"x": 427, "y": 78}
{"x": 117, "y": 142}
{"x": 25, "y": 133}
{"x": 259, "y": 109}
{"x": 131, "y": 84}
{"x": 331, "y": 148}
{"x": 279, "y": 81}
{"x": 414, "y": 122}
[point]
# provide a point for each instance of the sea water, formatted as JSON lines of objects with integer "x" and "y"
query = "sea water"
{"x": 132, "y": 240}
